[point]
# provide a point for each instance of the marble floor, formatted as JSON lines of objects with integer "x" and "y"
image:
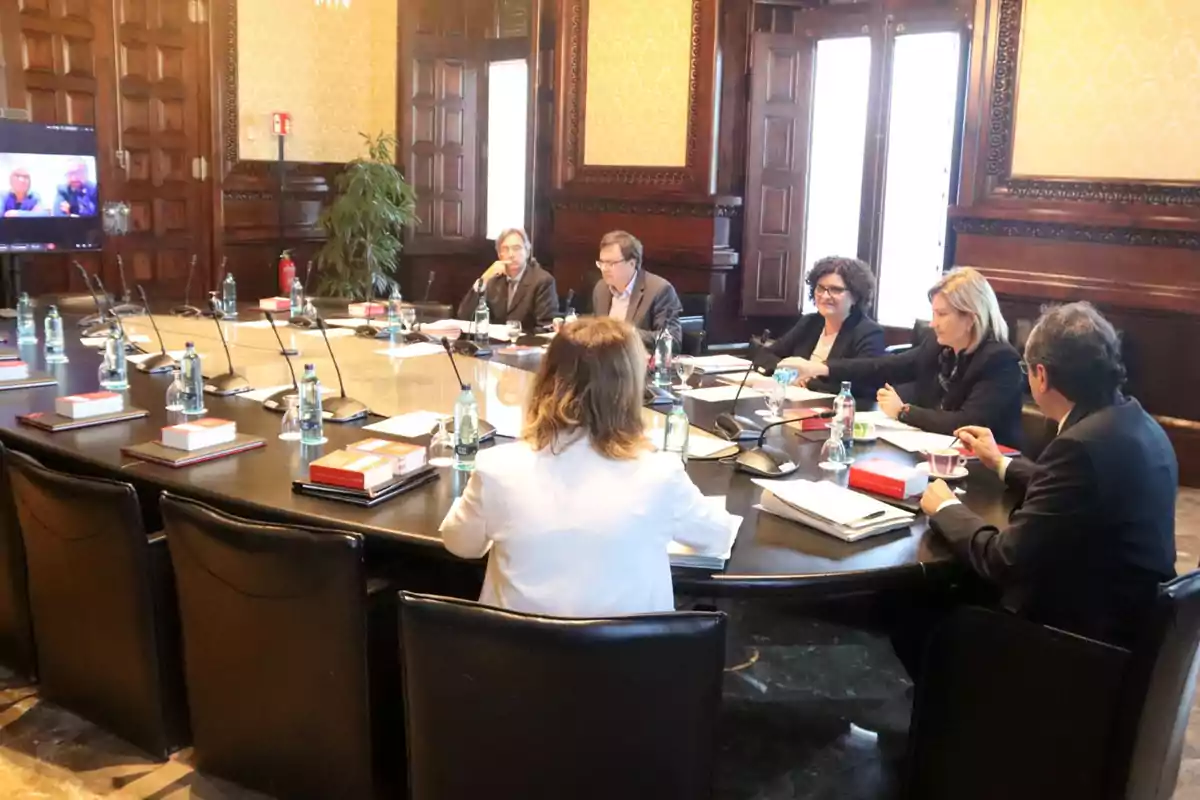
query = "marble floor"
{"x": 812, "y": 710}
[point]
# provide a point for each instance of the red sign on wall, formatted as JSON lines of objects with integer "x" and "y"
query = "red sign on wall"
{"x": 281, "y": 123}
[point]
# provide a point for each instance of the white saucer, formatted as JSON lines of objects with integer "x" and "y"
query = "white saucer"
{"x": 958, "y": 474}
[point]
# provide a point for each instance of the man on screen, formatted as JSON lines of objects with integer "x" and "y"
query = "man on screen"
{"x": 20, "y": 200}
{"x": 77, "y": 197}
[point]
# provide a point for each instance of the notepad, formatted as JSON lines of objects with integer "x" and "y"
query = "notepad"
{"x": 915, "y": 441}
{"x": 411, "y": 425}
{"x": 717, "y": 394}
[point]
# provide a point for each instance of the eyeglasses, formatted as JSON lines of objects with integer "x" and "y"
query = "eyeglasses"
{"x": 831, "y": 291}
{"x": 511, "y": 250}
{"x": 1025, "y": 366}
{"x": 603, "y": 265}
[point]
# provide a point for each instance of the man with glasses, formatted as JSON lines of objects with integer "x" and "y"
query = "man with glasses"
{"x": 1095, "y": 533}
{"x": 627, "y": 292}
{"x": 516, "y": 287}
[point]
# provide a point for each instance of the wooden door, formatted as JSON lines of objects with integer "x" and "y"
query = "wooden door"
{"x": 160, "y": 144}
{"x": 781, "y": 77}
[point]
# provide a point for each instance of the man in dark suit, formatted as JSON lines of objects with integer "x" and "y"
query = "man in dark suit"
{"x": 516, "y": 287}
{"x": 626, "y": 291}
{"x": 1095, "y": 533}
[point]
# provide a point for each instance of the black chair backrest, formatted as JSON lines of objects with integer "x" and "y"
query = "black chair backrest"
{"x": 16, "y": 634}
{"x": 274, "y": 637}
{"x": 101, "y": 650}
{"x": 502, "y": 704}
{"x": 1158, "y": 693}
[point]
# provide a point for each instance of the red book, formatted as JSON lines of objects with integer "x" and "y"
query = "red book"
{"x": 888, "y": 478}
{"x": 351, "y": 470}
{"x": 13, "y": 370}
{"x": 275, "y": 304}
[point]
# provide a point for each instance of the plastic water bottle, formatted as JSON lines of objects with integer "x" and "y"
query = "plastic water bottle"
{"x": 297, "y": 298}
{"x": 675, "y": 439}
{"x": 662, "y": 359}
{"x": 114, "y": 372}
{"x": 193, "y": 381}
{"x": 55, "y": 350}
{"x": 312, "y": 430}
{"x": 466, "y": 430}
{"x": 482, "y": 321}
{"x": 393, "y": 310}
{"x": 843, "y": 416}
{"x": 26, "y": 329}
{"x": 229, "y": 296}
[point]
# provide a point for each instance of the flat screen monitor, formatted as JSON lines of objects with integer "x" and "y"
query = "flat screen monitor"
{"x": 49, "y": 192}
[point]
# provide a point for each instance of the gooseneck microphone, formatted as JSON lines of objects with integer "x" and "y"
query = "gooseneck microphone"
{"x": 187, "y": 309}
{"x": 161, "y": 362}
{"x": 126, "y": 308}
{"x": 768, "y": 462}
{"x": 728, "y": 424}
{"x": 229, "y": 382}
{"x": 342, "y": 408}
{"x": 429, "y": 285}
{"x": 307, "y": 275}
{"x": 93, "y": 322}
{"x": 216, "y": 309}
{"x": 453, "y": 363}
{"x": 276, "y": 401}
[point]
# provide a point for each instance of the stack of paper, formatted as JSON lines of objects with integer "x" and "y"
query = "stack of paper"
{"x": 717, "y": 394}
{"x": 797, "y": 394}
{"x": 497, "y": 332}
{"x": 683, "y": 556}
{"x": 831, "y": 509}
{"x": 915, "y": 441}
{"x": 712, "y": 365}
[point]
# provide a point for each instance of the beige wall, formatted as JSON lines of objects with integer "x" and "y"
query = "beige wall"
{"x": 637, "y": 82}
{"x": 1109, "y": 89}
{"x": 332, "y": 69}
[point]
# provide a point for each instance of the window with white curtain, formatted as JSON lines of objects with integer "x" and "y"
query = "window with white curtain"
{"x": 508, "y": 98}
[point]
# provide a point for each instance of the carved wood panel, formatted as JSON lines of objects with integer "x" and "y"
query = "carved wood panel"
{"x": 776, "y": 173}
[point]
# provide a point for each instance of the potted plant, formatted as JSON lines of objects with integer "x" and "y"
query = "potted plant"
{"x": 363, "y": 224}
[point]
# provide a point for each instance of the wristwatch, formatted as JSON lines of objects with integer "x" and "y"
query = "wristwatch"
{"x": 904, "y": 409}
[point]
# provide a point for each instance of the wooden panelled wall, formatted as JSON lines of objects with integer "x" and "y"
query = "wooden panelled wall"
{"x": 1132, "y": 249}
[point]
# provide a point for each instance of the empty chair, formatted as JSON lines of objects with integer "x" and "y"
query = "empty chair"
{"x": 503, "y": 704}
{"x": 16, "y": 634}
{"x": 102, "y": 605}
{"x": 1007, "y": 708}
{"x": 277, "y": 655}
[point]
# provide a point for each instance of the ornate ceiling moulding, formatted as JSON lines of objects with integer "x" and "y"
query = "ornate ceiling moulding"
{"x": 1000, "y": 123}
{"x": 691, "y": 177}
{"x": 729, "y": 207}
{"x": 1089, "y": 234}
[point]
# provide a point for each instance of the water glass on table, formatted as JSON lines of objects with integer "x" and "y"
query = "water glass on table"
{"x": 514, "y": 330}
{"x": 289, "y": 427}
{"x": 684, "y": 367}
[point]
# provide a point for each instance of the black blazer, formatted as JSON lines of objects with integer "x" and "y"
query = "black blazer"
{"x": 1095, "y": 534}
{"x": 535, "y": 302}
{"x": 653, "y": 306}
{"x": 987, "y": 390}
{"x": 860, "y": 337}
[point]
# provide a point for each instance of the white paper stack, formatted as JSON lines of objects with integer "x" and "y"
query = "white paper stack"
{"x": 683, "y": 556}
{"x": 762, "y": 383}
{"x": 915, "y": 441}
{"x": 831, "y": 509}
{"x": 712, "y": 365}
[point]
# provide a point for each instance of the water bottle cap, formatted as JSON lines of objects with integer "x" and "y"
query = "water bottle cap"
{"x": 309, "y": 367}
{"x": 466, "y": 387}
{"x": 189, "y": 344}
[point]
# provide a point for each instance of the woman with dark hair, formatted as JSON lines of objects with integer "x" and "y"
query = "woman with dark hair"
{"x": 578, "y": 513}
{"x": 841, "y": 289}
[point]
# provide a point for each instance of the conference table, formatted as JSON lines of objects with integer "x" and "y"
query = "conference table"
{"x": 771, "y": 556}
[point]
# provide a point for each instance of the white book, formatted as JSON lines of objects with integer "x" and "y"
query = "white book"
{"x": 207, "y": 432}
{"x": 93, "y": 404}
{"x": 773, "y": 505}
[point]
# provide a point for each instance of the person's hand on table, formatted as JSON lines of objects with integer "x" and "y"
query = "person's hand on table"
{"x": 936, "y": 494}
{"x": 805, "y": 370}
{"x": 889, "y": 401}
{"x": 982, "y": 444}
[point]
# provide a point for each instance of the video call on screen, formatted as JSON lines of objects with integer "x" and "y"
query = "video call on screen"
{"x": 49, "y": 195}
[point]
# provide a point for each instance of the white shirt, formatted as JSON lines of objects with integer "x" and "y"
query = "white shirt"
{"x": 820, "y": 353}
{"x": 577, "y": 534}
{"x": 620, "y": 302}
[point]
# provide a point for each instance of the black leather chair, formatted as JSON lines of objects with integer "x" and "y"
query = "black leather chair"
{"x": 502, "y": 704}
{"x": 693, "y": 323}
{"x": 102, "y": 603}
{"x": 291, "y": 693}
{"x": 17, "y": 651}
{"x": 1009, "y": 709}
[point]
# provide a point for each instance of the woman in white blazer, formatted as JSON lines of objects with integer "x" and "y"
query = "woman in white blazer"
{"x": 578, "y": 513}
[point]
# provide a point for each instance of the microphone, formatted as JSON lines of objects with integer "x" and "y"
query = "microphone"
{"x": 343, "y": 408}
{"x": 275, "y": 402}
{"x": 307, "y": 275}
{"x": 450, "y": 355}
{"x": 91, "y": 321}
{"x": 767, "y": 462}
{"x": 162, "y": 362}
{"x": 229, "y": 382}
{"x": 130, "y": 347}
{"x": 728, "y": 424}
{"x": 187, "y": 309}
{"x": 126, "y": 308}
{"x": 215, "y": 310}
{"x": 429, "y": 285}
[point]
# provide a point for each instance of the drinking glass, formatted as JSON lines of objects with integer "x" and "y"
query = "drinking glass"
{"x": 833, "y": 454}
{"x": 514, "y": 330}
{"x": 684, "y": 367}
{"x": 774, "y": 400}
{"x": 289, "y": 428}
{"x": 441, "y": 446}
{"x": 175, "y": 391}
{"x": 408, "y": 317}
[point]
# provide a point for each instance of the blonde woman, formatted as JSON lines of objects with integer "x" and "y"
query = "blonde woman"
{"x": 578, "y": 513}
{"x": 965, "y": 373}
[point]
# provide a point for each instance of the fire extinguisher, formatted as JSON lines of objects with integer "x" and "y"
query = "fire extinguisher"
{"x": 287, "y": 273}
